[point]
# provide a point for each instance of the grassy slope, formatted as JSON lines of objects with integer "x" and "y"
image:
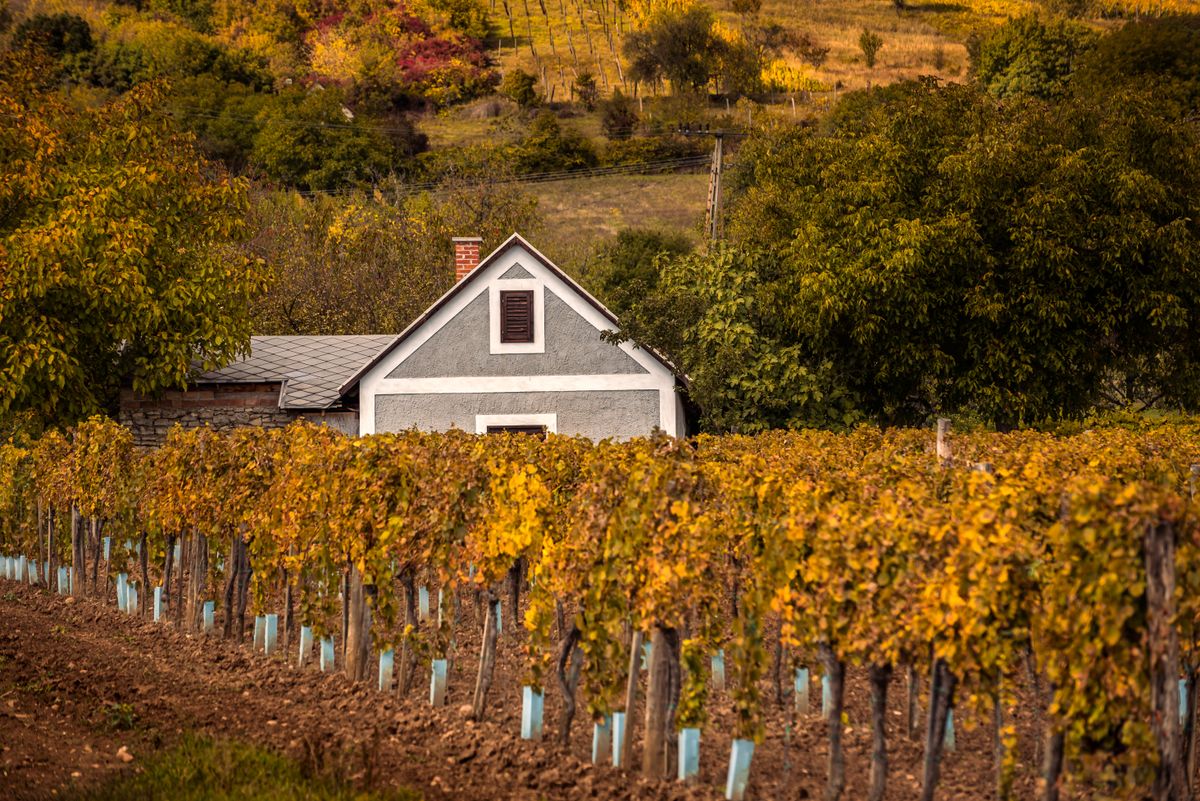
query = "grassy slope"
{"x": 580, "y": 214}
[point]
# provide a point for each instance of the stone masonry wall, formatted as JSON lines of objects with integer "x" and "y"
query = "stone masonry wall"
{"x": 222, "y": 407}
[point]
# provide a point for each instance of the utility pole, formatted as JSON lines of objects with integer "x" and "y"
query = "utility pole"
{"x": 713, "y": 221}
{"x": 713, "y": 218}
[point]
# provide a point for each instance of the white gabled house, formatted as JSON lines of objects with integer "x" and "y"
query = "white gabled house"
{"x": 515, "y": 345}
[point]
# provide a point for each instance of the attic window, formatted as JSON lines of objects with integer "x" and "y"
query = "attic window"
{"x": 516, "y": 316}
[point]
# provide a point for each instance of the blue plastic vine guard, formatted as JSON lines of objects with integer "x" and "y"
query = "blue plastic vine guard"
{"x": 739, "y": 769}
{"x": 531, "y": 713}
{"x": 689, "y": 754}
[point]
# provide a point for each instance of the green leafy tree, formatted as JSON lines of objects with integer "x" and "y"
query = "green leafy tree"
{"x": 1029, "y": 56}
{"x": 311, "y": 140}
{"x": 1024, "y": 261}
{"x": 114, "y": 251}
{"x": 679, "y": 45}
{"x": 58, "y": 34}
{"x": 1160, "y": 54}
{"x": 520, "y": 87}
{"x": 715, "y": 317}
{"x": 628, "y": 269}
{"x": 586, "y": 90}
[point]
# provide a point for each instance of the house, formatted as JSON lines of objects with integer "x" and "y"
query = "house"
{"x": 515, "y": 344}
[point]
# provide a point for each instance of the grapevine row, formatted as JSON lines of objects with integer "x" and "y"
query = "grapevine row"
{"x": 972, "y": 560}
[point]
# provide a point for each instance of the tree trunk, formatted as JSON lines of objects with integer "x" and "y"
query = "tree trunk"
{"x": 78, "y": 559}
{"x": 144, "y": 559}
{"x": 345, "y": 608}
{"x": 167, "y": 567}
{"x": 1169, "y": 783}
{"x": 1053, "y": 762}
{"x": 407, "y": 660}
{"x": 1003, "y": 775}
{"x": 185, "y": 550}
{"x": 231, "y": 576}
{"x": 243, "y": 591}
{"x": 197, "y": 584}
{"x": 96, "y": 549}
{"x": 912, "y": 705}
{"x": 568, "y": 652}
{"x": 778, "y": 666}
{"x": 487, "y": 658}
{"x": 288, "y": 617}
{"x": 941, "y": 696}
{"x": 658, "y": 700}
{"x": 835, "y": 670}
{"x": 514, "y": 589}
{"x": 51, "y": 557}
{"x": 631, "y": 693}
{"x": 358, "y": 634}
{"x": 1190, "y": 727}
{"x": 880, "y": 676}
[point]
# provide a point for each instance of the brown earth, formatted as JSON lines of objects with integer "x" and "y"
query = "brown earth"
{"x": 71, "y": 672}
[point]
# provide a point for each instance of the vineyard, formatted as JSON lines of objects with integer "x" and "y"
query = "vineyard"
{"x": 990, "y": 571}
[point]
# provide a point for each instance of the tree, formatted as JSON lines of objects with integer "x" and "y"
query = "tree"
{"x": 716, "y": 318}
{"x": 1031, "y": 57}
{"x": 586, "y": 90}
{"x": 58, "y": 34}
{"x": 114, "y": 241}
{"x": 364, "y": 265}
{"x": 870, "y": 43}
{"x": 1160, "y": 54}
{"x": 520, "y": 87}
{"x": 312, "y": 141}
{"x": 628, "y": 269}
{"x": 1024, "y": 261}
{"x": 680, "y": 45}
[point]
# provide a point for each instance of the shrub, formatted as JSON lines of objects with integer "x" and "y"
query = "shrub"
{"x": 870, "y": 43}
{"x": 643, "y": 149}
{"x": 586, "y": 90}
{"x": 549, "y": 147}
{"x": 520, "y": 87}
{"x": 618, "y": 116}
{"x": 57, "y": 34}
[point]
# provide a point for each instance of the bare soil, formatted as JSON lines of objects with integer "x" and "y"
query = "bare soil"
{"x": 79, "y": 680}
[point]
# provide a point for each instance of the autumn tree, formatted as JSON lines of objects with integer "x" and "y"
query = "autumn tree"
{"x": 114, "y": 245}
{"x": 370, "y": 265}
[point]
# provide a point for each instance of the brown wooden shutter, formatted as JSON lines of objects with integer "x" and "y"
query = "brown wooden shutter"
{"x": 516, "y": 316}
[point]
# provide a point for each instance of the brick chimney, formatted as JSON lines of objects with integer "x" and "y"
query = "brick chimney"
{"x": 466, "y": 255}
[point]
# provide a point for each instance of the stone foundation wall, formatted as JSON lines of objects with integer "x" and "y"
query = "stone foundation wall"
{"x": 222, "y": 407}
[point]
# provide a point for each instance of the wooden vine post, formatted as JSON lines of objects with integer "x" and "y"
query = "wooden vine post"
{"x": 1169, "y": 783}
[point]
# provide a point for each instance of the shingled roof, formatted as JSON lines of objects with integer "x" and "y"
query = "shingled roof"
{"x": 310, "y": 368}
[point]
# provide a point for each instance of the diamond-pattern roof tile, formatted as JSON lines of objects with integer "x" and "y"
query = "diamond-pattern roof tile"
{"x": 312, "y": 368}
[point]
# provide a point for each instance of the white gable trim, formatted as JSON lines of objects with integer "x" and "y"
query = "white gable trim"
{"x": 487, "y": 278}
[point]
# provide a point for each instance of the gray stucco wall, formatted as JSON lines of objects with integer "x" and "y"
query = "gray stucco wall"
{"x": 461, "y": 348}
{"x": 610, "y": 413}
